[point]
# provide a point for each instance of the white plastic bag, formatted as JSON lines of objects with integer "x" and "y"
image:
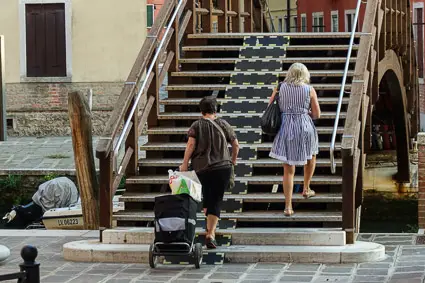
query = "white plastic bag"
{"x": 185, "y": 183}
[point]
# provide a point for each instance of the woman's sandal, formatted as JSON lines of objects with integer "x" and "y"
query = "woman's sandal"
{"x": 288, "y": 212}
{"x": 309, "y": 193}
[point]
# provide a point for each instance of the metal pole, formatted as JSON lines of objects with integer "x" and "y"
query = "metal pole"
{"x": 288, "y": 15}
{"x": 3, "y": 124}
{"x": 29, "y": 266}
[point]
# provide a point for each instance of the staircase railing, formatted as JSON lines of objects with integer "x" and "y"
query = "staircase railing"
{"x": 387, "y": 26}
{"x": 140, "y": 94}
{"x": 342, "y": 91}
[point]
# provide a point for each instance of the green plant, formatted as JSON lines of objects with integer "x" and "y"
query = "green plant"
{"x": 50, "y": 176}
{"x": 411, "y": 228}
{"x": 11, "y": 182}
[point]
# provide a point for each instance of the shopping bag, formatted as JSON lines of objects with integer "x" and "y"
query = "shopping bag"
{"x": 185, "y": 183}
{"x": 271, "y": 119}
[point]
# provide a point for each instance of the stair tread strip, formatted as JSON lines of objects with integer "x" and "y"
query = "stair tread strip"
{"x": 288, "y": 48}
{"x": 263, "y": 216}
{"x": 182, "y": 146}
{"x": 195, "y": 101}
{"x": 248, "y": 198}
{"x": 262, "y": 162}
{"x": 206, "y": 87}
{"x": 328, "y": 73}
{"x": 255, "y": 180}
{"x": 309, "y": 35}
{"x": 283, "y": 60}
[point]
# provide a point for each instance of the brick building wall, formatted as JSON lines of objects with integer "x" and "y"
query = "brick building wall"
{"x": 326, "y": 7}
{"x": 421, "y": 183}
{"x": 40, "y": 109}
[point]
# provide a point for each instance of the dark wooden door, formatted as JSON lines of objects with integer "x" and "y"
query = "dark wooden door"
{"x": 45, "y": 40}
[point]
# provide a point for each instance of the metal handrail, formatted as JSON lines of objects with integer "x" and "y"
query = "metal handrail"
{"x": 341, "y": 93}
{"x": 267, "y": 8}
{"x": 145, "y": 81}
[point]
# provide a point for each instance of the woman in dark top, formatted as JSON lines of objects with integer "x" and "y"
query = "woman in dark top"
{"x": 207, "y": 148}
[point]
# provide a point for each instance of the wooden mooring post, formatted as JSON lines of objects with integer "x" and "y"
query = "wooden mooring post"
{"x": 82, "y": 141}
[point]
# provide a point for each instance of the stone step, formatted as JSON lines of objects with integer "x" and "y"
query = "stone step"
{"x": 218, "y": 87}
{"x": 257, "y": 116}
{"x": 288, "y": 60}
{"x": 246, "y": 198}
{"x": 177, "y": 146}
{"x": 262, "y": 162}
{"x": 253, "y": 180}
{"x": 195, "y": 101}
{"x": 307, "y": 35}
{"x": 257, "y": 216}
{"x": 328, "y": 73}
{"x": 240, "y": 236}
{"x": 183, "y": 130}
{"x": 94, "y": 251}
{"x": 288, "y": 48}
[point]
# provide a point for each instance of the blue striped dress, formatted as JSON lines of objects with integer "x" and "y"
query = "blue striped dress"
{"x": 297, "y": 140}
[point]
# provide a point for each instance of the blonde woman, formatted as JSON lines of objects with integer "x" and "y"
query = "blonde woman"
{"x": 297, "y": 142}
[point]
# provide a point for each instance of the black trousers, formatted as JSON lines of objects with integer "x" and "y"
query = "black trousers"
{"x": 214, "y": 183}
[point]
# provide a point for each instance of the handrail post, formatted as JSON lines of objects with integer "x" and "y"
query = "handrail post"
{"x": 133, "y": 142}
{"x": 341, "y": 93}
{"x": 105, "y": 191}
{"x": 348, "y": 201}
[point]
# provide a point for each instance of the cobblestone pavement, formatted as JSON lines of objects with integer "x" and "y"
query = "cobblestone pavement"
{"x": 405, "y": 264}
{"x": 38, "y": 156}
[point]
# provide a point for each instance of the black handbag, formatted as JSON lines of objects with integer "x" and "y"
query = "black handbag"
{"x": 271, "y": 119}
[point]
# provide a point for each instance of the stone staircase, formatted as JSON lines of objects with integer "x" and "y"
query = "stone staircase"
{"x": 242, "y": 70}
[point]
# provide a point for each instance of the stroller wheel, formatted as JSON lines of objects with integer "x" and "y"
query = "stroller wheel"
{"x": 152, "y": 259}
{"x": 198, "y": 255}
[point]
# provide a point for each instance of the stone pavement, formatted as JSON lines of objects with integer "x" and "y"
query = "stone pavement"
{"x": 41, "y": 156}
{"x": 405, "y": 264}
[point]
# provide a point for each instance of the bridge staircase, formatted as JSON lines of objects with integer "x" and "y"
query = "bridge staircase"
{"x": 240, "y": 65}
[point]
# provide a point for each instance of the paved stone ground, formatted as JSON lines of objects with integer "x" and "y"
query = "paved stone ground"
{"x": 405, "y": 264}
{"x": 39, "y": 156}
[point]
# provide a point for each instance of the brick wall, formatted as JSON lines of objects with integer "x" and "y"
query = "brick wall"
{"x": 421, "y": 177}
{"x": 40, "y": 109}
{"x": 422, "y": 98}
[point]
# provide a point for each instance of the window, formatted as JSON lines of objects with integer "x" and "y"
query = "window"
{"x": 295, "y": 24}
{"x": 45, "y": 40}
{"x": 280, "y": 25}
{"x": 318, "y": 25}
{"x": 215, "y": 27}
{"x": 349, "y": 20}
{"x": 303, "y": 23}
{"x": 150, "y": 15}
{"x": 334, "y": 21}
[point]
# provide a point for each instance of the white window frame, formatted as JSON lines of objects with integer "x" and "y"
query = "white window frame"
{"x": 280, "y": 24}
{"x": 23, "y": 41}
{"x": 419, "y": 5}
{"x": 335, "y": 13}
{"x": 303, "y": 28}
{"x": 153, "y": 13}
{"x": 353, "y": 13}
{"x": 314, "y": 16}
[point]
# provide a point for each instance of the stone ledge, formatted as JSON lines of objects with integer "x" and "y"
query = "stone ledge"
{"x": 241, "y": 236}
{"x": 93, "y": 251}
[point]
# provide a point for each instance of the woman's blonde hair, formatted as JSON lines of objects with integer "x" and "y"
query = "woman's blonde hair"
{"x": 298, "y": 74}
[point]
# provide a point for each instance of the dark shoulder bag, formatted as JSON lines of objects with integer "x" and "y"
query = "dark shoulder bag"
{"x": 232, "y": 174}
{"x": 272, "y": 118}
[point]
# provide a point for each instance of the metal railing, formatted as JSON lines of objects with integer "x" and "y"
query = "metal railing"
{"x": 143, "y": 86}
{"x": 267, "y": 10}
{"x": 342, "y": 91}
{"x": 29, "y": 269}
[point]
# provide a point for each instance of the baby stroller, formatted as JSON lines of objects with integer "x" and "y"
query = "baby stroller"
{"x": 175, "y": 223}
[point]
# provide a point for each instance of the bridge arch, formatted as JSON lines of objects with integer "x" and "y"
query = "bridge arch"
{"x": 391, "y": 83}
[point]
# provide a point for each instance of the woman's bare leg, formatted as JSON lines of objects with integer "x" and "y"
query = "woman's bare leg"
{"x": 308, "y": 173}
{"x": 288, "y": 184}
